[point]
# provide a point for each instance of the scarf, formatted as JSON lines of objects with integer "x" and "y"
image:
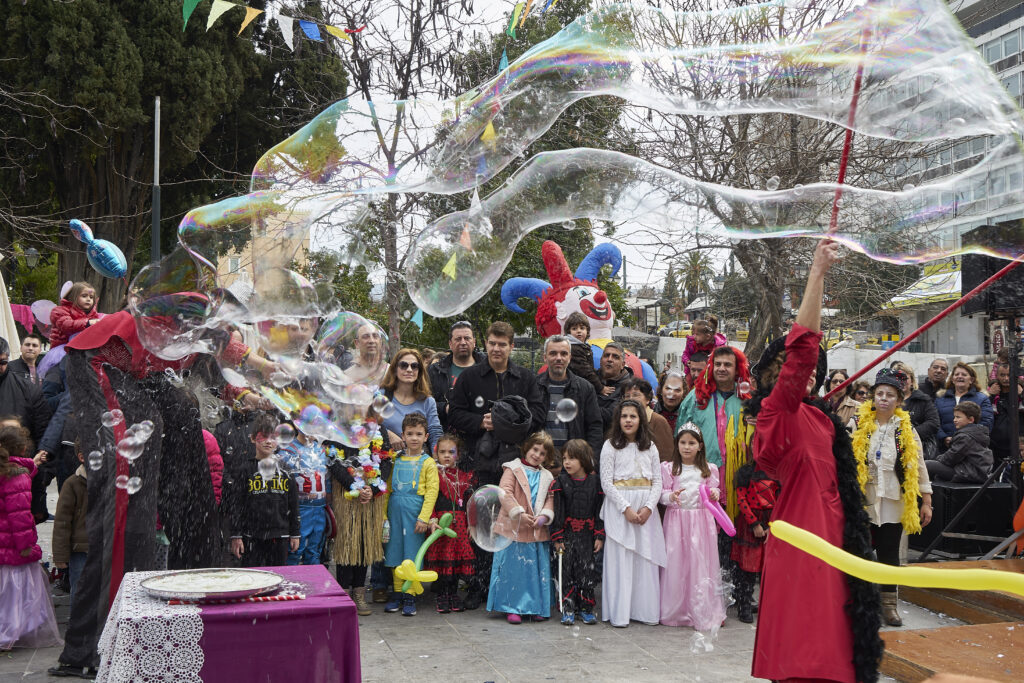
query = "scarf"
{"x": 907, "y": 454}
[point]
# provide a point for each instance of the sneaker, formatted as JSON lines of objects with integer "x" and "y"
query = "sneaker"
{"x": 394, "y": 603}
{"x": 456, "y": 603}
{"x": 380, "y": 595}
{"x": 514, "y": 619}
{"x": 588, "y": 618}
{"x": 444, "y": 604}
{"x": 537, "y": 617}
{"x": 473, "y": 600}
{"x": 568, "y": 619}
{"x": 408, "y": 606}
{"x": 68, "y": 671}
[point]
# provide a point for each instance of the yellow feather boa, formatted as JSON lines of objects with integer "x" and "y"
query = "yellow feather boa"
{"x": 737, "y": 446}
{"x": 866, "y": 426}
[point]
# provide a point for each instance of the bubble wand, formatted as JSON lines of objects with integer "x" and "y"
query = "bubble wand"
{"x": 865, "y": 36}
{"x": 410, "y": 571}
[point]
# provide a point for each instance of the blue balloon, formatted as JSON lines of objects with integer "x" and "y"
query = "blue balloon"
{"x": 104, "y": 256}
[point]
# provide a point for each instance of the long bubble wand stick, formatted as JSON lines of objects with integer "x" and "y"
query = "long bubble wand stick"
{"x": 865, "y": 36}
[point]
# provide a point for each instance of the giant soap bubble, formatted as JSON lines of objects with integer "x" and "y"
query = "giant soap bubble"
{"x": 482, "y": 515}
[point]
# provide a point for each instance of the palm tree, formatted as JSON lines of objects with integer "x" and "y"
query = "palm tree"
{"x": 695, "y": 272}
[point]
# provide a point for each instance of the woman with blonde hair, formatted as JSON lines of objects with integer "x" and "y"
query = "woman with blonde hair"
{"x": 406, "y": 385}
{"x": 962, "y": 385}
{"x": 923, "y": 414}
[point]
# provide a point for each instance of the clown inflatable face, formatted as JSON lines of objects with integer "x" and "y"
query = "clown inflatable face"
{"x": 591, "y": 302}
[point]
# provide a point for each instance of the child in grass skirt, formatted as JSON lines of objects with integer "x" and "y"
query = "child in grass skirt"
{"x": 451, "y": 558}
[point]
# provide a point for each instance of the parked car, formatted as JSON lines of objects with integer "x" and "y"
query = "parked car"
{"x": 676, "y": 328}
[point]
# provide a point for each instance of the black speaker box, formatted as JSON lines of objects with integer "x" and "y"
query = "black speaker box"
{"x": 1005, "y": 296}
{"x": 991, "y": 515}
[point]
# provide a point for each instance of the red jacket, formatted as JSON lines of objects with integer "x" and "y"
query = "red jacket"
{"x": 68, "y": 319}
{"x": 17, "y": 526}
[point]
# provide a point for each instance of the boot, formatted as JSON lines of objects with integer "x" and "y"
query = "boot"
{"x": 743, "y": 591}
{"x": 890, "y": 611}
{"x": 362, "y": 608}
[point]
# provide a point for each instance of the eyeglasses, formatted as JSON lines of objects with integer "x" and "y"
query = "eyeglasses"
{"x": 459, "y": 323}
{"x": 406, "y": 365}
{"x": 4, "y": 362}
{"x": 862, "y": 392}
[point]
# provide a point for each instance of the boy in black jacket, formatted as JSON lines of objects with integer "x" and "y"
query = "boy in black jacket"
{"x": 262, "y": 503}
{"x": 581, "y": 362}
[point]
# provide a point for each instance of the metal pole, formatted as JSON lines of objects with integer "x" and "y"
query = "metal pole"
{"x": 155, "y": 231}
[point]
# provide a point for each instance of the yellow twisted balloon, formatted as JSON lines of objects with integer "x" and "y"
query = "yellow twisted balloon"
{"x": 409, "y": 571}
{"x": 875, "y": 572}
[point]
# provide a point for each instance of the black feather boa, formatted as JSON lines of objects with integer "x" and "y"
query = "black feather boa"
{"x": 864, "y": 607}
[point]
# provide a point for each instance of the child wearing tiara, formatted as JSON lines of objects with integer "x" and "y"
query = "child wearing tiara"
{"x": 451, "y": 558}
{"x": 578, "y": 531}
{"x": 521, "y": 573}
{"x": 691, "y": 582}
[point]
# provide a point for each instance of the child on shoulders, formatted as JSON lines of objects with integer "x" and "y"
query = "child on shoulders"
{"x": 76, "y": 312}
{"x": 704, "y": 337}
{"x": 414, "y": 489}
{"x": 691, "y": 583}
{"x": 521, "y": 573}
{"x": 581, "y": 358}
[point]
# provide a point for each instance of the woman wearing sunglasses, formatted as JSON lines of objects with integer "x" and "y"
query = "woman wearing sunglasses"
{"x": 923, "y": 413}
{"x": 405, "y": 383}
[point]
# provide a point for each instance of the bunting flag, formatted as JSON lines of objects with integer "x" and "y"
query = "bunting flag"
{"x": 511, "y": 30}
{"x": 526, "y": 12}
{"x": 465, "y": 240}
{"x": 338, "y": 33}
{"x": 550, "y": 3}
{"x": 417, "y": 319}
{"x": 488, "y": 135}
{"x": 187, "y": 9}
{"x": 219, "y": 8}
{"x": 311, "y": 30}
{"x": 250, "y": 14}
{"x": 287, "y": 26}
{"x": 449, "y": 268}
{"x": 503, "y": 64}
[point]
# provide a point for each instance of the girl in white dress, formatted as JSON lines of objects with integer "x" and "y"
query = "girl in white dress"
{"x": 634, "y": 542}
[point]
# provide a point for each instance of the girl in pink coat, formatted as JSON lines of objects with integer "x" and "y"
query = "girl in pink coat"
{"x": 28, "y": 619}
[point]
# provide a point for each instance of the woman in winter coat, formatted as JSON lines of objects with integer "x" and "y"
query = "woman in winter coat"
{"x": 923, "y": 414}
{"x": 962, "y": 385}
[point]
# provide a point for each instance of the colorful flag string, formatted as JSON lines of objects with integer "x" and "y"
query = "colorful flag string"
{"x": 285, "y": 24}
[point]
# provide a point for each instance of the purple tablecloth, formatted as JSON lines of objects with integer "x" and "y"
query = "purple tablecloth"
{"x": 316, "y": 639}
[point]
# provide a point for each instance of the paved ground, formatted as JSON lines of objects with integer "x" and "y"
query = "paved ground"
{"x": 478, "y": 646}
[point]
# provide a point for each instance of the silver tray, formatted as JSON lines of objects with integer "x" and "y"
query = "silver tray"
{"x": 257, "y": 580}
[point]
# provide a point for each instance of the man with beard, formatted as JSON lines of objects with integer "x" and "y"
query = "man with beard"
{"x": 31, "y": 348}
{"x": 446, "y": 371}
{"x": 558, "y": 383}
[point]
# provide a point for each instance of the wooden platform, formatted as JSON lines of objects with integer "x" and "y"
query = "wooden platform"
{"x": 989, "y": 651}
{"x": 991, "y": 647}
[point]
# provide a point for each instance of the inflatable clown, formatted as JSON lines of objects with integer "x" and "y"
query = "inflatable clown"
{"x": 568, "y": 293}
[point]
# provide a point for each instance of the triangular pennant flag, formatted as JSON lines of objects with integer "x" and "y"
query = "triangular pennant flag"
{"x": 187, "y": 9}
{"x": 417, "y": 318}
{"x": 311, "y": 30}
{"x": 287, "y": 27}
{"x": 551, "y": 3}
{"x": 526, "y": 12}
{"x": 250, "y": 14}
{"x": 338, "y": 33}
{"x": 481, "y": 166}
{"x": 219, "y": 8}
{"x": 488, "y": 134}
{"x": 511, "y": 30}
{"x": 449, "y": 268}
{"x": 465, "y": 240}
{"x": 503, "y": 64}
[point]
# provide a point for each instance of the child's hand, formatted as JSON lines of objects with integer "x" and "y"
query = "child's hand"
{"x": 644, "y": 515}
{"x": 631, "y": 516}
{"x": 365, "y": 495}
{"x": 26, "y": 552}
{"x": 713, "y": 494}
{"x": 420, "y": 528}
{"x": 598, "y": 544}
{"x": 293, "y": 544}
{"x": 434, "y": 526}
{"x": 237, "y": 548}
{"x": 759, "y": 531}
{"x": 541, "y": 521}
{"x": 675, "y": 497}
{"x": 560, "y": 547}
{"x": 60, "y": 565}
{"x": 40, "y": 457}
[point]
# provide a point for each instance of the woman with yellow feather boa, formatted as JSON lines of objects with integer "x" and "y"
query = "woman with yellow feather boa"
{"x": 891, "y": 471}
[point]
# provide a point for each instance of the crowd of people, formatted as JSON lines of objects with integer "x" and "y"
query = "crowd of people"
{"x": 597, "y": 470}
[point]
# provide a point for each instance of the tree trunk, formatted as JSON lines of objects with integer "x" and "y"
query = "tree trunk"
{"x": 767, "y": 265}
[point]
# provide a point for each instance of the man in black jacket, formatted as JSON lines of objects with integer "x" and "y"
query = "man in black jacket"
{"x": 1000, "y": 442}
{"x": 613, "y": 373}
{"x": 20, "y": 397}
{"x": 444, "y": 372}
{"x": 935, "y": 380}
{"x": 558, "y": 383}
{"x": 469, "y": 414}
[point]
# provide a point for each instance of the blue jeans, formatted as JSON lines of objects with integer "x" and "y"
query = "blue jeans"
{"x": 76, "y": 563}
{"x": 312, "y": 525}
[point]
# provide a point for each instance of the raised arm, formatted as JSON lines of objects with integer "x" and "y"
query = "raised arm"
{"x": 809, "y": 315}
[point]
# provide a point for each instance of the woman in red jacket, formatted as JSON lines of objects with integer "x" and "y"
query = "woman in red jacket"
{"x": 815, "y": 622}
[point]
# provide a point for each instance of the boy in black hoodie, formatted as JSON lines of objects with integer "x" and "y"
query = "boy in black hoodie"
{"x": 262, "y": 503}
{"x": 581, "y": 360}
{"x": 968, "y": 459}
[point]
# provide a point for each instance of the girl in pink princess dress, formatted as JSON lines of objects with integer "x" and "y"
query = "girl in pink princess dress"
{"x": 691, "y": 585}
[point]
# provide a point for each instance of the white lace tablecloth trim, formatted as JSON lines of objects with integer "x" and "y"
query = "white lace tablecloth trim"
{"x": 147, "y": 640}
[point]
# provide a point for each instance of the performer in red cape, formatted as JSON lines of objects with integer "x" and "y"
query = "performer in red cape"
{"x": 109, "y": 369}
{"x": 815, "y": 622}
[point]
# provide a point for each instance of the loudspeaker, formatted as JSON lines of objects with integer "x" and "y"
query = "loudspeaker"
{"x": 991, "y": 515}
{"x": 1005, "y": 296}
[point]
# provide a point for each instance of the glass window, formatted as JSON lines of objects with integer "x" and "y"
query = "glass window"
{"x": 961, "y": 150}
{"x": 1011, "y": 44}
{"x": 1012, "y": 84}
{"x": 912, "y": 87}
{"x": 996, "y": 182}
{"x": 978, "y": 146}
{"x": 233, "y": 265}
{"x": 1014, "y": 179}
{"x": 994, "y": 51}
{"x": 979, "y": 188}
{"x": 945, "y": 156}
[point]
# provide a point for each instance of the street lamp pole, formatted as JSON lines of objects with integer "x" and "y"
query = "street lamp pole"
{"x": 155, "y": 231}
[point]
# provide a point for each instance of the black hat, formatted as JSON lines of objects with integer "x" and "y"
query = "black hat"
{"x": 772, "y": 351}
{"x": 894, "y": 378}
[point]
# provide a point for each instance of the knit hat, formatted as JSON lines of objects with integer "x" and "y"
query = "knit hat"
{"x": 893, "y": 378}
